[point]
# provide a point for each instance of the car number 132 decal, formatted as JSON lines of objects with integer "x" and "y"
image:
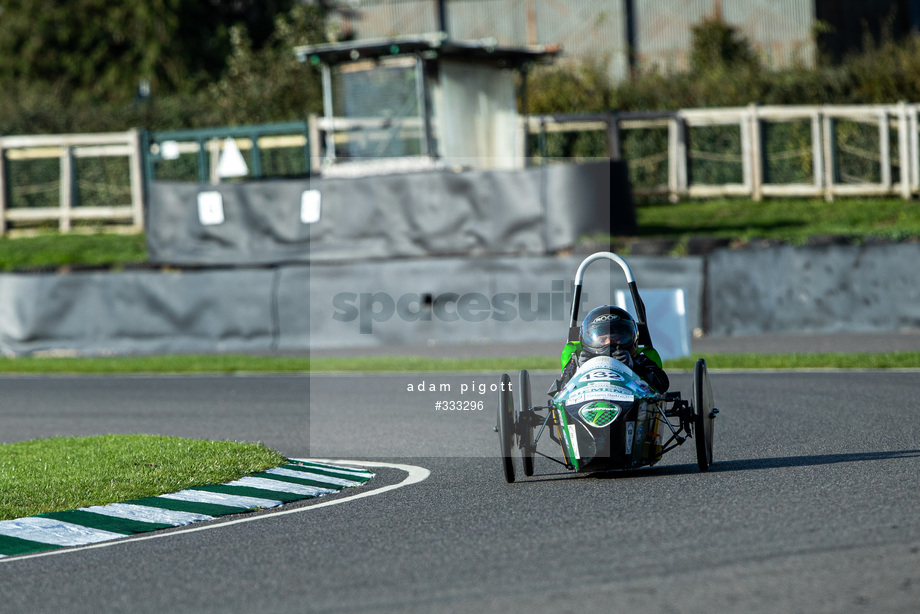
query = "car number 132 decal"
{"x": 601, "y": 374}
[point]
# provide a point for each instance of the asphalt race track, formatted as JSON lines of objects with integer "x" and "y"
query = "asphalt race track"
{"x": 811, "y": 505}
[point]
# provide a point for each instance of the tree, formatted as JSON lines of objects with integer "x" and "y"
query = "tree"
{"x": 717, "y": 45}
{"x": 270, "y": 84}
{"x": 103, "y": 49}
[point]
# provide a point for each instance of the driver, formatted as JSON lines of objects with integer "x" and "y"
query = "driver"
{"x": 611, "y": 331}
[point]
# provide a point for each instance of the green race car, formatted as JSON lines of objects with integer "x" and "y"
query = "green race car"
{"x": 606, "y": 416}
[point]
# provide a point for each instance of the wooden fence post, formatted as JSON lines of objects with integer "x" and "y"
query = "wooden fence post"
{"x": 817, "y": 151}
{"x": 136, "y": 161}
{"x": 904, "y": 157}
{"x": 827, "y": 134}
{"x": 746, "y": 155}
{"x": 213, "y": 160}
{"x": 884, "y": 149}
{"x": 3, "y": 191}
{"x": 756, "y": 154}
{"x": 314, "y": 161}
{"x": 66, "y": 188}
{"x": 677, "y": 157}
{"x": 328, "y": 112}
{"x": 914, "y": 148}
{"x": 683, "y": 166}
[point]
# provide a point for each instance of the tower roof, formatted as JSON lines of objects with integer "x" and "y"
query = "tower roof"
{"x": 434, "y": 45}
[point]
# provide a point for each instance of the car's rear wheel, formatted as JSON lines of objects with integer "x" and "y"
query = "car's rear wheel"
{"x": 524, "y": 426}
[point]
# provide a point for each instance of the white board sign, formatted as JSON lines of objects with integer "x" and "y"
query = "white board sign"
{"x": 310, "y": 206}
{"x": 210, "y": 208}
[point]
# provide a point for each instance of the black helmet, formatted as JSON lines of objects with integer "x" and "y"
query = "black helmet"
{"x": 607, "y": 329}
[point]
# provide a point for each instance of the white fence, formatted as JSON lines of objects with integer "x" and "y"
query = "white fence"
{"x": 868, "y": 150}
{"x": 754, "y": 151}
{"x": 40, "y": 182}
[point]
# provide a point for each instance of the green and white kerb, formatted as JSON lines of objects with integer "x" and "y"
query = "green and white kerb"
{"x": 293, "y": 481}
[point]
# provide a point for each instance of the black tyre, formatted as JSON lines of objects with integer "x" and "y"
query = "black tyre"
{"x": 506, "y": 426}
{"x": 525, "y": 428}
{"x": 703, "y": 415}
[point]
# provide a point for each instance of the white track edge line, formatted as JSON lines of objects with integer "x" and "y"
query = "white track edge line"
{"x": 415, "y": 474}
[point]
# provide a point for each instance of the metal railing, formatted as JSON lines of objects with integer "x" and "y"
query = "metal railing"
{"x": 269, "y": 150}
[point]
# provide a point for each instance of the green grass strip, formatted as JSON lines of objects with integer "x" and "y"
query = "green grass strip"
{"x": 178, "y": 363}
{"x": 890, "y": 360}
{"x": 218, "y": 364}
{"x": 60, "y": 250}
{"x": 791, "y": 220}
{"x": 226, "y": 363}
{"x": 65, "y": 473}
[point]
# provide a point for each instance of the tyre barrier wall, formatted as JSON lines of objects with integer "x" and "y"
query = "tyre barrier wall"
{"x": 136, "y": 312}
{"x": 870, "y": 288}
{"x": 533, "y": 211}
{"x": 828, "y": 289}
{"x": 295, "y": 308}
{"x": 475, "y": 301}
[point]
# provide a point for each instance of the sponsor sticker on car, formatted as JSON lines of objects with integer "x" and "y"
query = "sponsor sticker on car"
{"x": 600, "y": 392}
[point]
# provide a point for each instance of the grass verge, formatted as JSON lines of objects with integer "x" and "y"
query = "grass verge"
{"x": 889, "y": 360}
{"x": 233, "y": 363}
{"x": 64, "y": 473}
{"x": 55, "y": 250}
{"x": 788, "y": 220}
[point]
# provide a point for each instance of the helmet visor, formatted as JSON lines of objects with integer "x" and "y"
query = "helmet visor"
{"x": 612, "y": 333}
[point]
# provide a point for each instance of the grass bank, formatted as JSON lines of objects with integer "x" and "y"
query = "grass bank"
{"x": 54, "y": 251}
{"x": 792, "y": 221}
{"x": 64, "y": 473}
